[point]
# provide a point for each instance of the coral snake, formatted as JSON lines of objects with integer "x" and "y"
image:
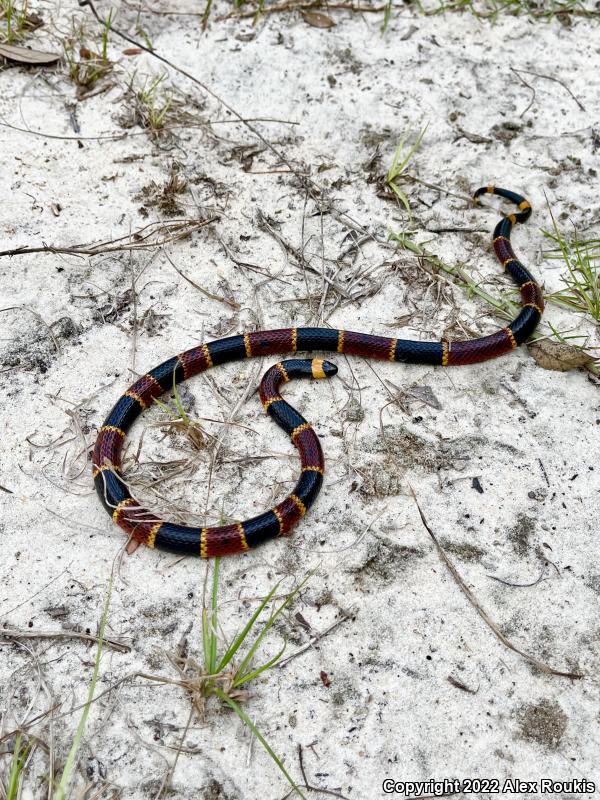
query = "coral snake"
{"x": 146, "y": 527}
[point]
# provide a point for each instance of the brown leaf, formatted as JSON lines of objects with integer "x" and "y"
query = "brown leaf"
{"x": 558, "y": 356}
{"x": 132, "y": 51}
{"x": 24, "y": 55}
{"x": 317, "y": 20}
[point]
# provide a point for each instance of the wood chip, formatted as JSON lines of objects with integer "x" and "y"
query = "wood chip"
{"x": 558, "y": 356}
{"x": 317, "y": 20}
{"x": 24, "y": 55}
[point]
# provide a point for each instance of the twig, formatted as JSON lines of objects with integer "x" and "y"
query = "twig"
{"x": 115, "y": 137}
{"x": 544, "y": 473}
{"x": 315, "y": 639}
{"x": 482, "y": 613}
{"x": 519, "y": 585}
{"x": 13, "y": 633}
{"x": 231, "y": 303}
{"x": 551, "y": 78}
{"x": 308, "y": 786}
{"x": 295, "y": 6}
{"x": 531, "y": 89}
{"x": 460, "y": 685}
{"x": 166, "y": 781}
{"x": 142, "y": 239}
{"x": 264, "y": 225}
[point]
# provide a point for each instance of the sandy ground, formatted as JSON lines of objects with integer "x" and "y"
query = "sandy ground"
{"x": 411, "y": 684}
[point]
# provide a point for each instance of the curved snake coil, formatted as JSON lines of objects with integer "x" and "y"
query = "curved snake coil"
{"x": 145, "y": 527}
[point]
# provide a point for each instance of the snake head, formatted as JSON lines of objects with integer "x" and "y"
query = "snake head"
{"x": 323, "y": 369}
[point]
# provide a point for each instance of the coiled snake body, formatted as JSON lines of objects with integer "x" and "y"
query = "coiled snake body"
{"x": 147, "y": 528}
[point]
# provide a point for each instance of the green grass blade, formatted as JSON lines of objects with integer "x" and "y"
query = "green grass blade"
{"x": 213, "y": 620}
{"x": 206, "y": 14}
{"x": 582, "y": 279}
{"x": 401, "y": 196}
{"x": 16, "y": 768}
{"x": 180, "y": 408}
{"x": 505, "y": 306}
{"x": 393, "y": 171}
{"x": 105, "y": 32}
{"x": 237, "y": 642}
{"x": 164, "y": 407}
{"x": 249, "y": 676}
{"x": 59, "y": 793}
{"x": 412, "y": 150}
{"x": 398, "y": 166}
{"x": 206, "y": 640}
{"x": 259, "y": 9}
{"x": 248, "y": 658}
{"x": 247, "y": 721}
{"x": 387, "y": 14}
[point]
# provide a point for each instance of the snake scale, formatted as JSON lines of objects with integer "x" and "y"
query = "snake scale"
{"x": 146, "y": 527}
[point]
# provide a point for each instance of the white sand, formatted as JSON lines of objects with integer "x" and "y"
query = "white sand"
{"x": 528, "y": 435}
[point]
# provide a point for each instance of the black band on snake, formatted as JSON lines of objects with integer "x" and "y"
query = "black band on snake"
{"x": 148, "y": 528}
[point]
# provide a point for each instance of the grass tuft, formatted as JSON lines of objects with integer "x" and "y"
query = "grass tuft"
{"x": 86, "y": 66}
{"x": 226, "y": 684}
{"x": 225, "y": 675}
{"x": 581, "y": 280}
{"x": 181, "y": 421}
{"x": 154, "y": 103}
{"x": 16, "y": 21}
{"x": 542, "y": 10}
{"x": 400, "y": 161}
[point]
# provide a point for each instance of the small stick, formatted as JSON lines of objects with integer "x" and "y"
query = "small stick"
{"x": 291, "y": 6}
{"x": 482, "y": 613}
{"x": 528, "y": 86}
{"x": 519, "y": 585}
{"x": 315, "y": 639}
{"x": 555, "y": 80}
{"x": 308, "y": 786}
{"x": 136, "y": 241}
{"x": 10, "y": 633}
{"x": 231, "y": 303}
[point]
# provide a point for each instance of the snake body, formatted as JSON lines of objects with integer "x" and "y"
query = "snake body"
{"x": 147, "y": 528}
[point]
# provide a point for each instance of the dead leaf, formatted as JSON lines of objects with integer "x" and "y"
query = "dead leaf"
{"x": 558, "y": 356}
{"x": 425, "y": 394}
{"x": 24, "y": 55}
{"x": 460, "y": 685}
{"x": 325, "y": 679}
{"x": 399, "y": 322}
{"x": 317, "y": 20}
